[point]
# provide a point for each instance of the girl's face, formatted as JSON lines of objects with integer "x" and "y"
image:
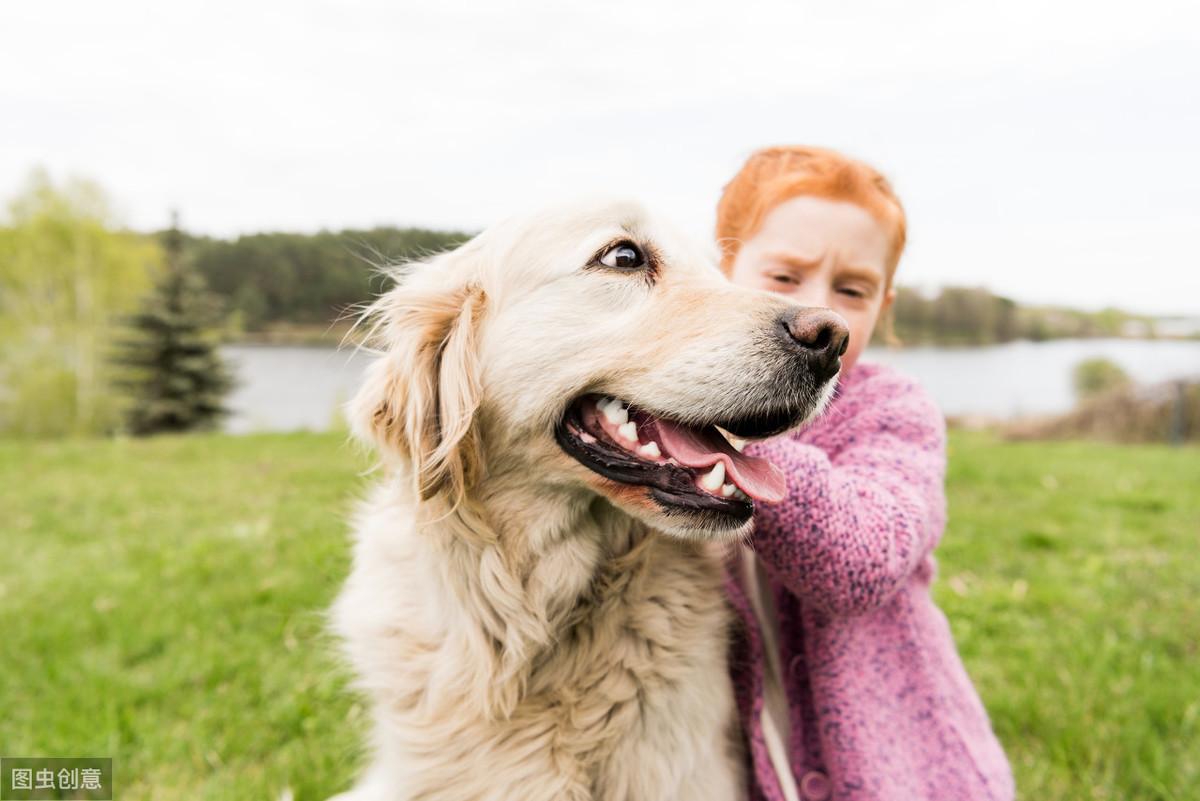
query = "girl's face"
{"x": 822, "y": 253}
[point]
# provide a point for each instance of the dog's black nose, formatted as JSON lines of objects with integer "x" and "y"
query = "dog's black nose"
{"x": 819, "y": 336}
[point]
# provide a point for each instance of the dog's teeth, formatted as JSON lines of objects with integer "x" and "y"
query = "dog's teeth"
{"x": 737, "y": 443}
{"x": 628, "y": 431}
{"x": 650, "y": 449}
{"x": 714, "y": 478}
{"x": 586, "y": 437}
{"x": 728, "y": 489}
{"x": 614, "y": 411}
{"x": 741, "y": 496}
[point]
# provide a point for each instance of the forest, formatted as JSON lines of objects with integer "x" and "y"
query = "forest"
{"x": 72, "y": 277}
{"x": 290, "y": 279}
{"x": 303, "y": 284}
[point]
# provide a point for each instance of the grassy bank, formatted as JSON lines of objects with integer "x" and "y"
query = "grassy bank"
{"x": 160, "y": 602}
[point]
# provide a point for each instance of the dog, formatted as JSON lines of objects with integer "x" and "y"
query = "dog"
{"x": 535, "y": 609}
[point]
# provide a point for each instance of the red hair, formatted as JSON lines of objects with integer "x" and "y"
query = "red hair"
{"x": 775, "y": 174}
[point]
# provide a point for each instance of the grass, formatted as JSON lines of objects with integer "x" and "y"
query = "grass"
{"x": 161, "y": 602}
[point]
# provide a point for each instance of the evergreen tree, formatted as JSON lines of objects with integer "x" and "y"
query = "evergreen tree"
{"x": 177, "y": 380}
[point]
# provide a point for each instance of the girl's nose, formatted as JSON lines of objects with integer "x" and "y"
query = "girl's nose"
{"x": 812, "y": 294}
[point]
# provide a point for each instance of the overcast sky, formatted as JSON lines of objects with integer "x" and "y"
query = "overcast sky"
{"x": 1047, "y": 150}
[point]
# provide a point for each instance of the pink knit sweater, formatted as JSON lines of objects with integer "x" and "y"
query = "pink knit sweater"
{"x": 880, "y": 706}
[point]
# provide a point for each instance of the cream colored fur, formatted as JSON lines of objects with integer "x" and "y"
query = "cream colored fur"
{"x": 524, "y": 628}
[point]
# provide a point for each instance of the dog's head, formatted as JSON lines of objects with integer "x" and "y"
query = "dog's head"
{"x": 593, "y": 349}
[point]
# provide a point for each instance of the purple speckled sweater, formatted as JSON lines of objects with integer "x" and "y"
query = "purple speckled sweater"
{"x": 880, "y": 706}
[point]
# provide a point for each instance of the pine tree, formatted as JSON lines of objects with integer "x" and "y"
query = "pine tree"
{"x": 177, "y": 379}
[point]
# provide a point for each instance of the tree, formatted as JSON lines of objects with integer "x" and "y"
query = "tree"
{"x": 305, "y": 279}
{"x": 177, "y": 379}
{"x": 67, "y": 275}
{"x": 1093, "y": 377}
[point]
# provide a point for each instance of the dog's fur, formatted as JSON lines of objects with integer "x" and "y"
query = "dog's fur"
{"x": 524, "y": 627}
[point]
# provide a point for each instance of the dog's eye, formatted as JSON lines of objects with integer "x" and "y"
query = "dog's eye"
{"x": 623, "y": 256}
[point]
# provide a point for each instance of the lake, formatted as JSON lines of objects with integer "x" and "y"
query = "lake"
{"x": 291, "y": 388}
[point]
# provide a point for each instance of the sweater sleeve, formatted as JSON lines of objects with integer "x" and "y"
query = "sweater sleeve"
{"x": 858, "y": 517}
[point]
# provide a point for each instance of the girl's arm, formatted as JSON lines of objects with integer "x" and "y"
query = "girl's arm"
{"x": 853, "y": 527}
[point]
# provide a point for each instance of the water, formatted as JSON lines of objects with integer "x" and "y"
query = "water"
{"x": 1022, "y": 378}
{"x": 290, "y": 388}
{"x": 293, "y": 388}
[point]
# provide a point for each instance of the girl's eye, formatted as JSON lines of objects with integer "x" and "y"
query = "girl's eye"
{"x": 852, "y": 292}
{"x": 623, "y": 256}
{"x": 785, "y": 279}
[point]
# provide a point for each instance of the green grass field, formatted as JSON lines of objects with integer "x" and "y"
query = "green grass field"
{"x": 161, "y": 603}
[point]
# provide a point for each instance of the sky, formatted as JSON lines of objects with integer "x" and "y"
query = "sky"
{"x": 1046, "y": 150}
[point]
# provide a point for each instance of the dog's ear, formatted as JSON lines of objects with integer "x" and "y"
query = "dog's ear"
{"x": 419, "y": 398}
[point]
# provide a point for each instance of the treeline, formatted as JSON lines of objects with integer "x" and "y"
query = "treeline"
{"x": 300, "y": 282}
{"x": 280, "y": 282}
{"x": 287, "y": 279}
{"x": 974, "y": 316}
{"x": 73, "y": 279}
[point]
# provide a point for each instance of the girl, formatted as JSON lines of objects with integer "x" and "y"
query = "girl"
{"x": 849, "y": 684}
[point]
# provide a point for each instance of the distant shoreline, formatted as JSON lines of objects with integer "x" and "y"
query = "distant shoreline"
{"x": 329, "y": 335}
{"x": 334, "y": 335}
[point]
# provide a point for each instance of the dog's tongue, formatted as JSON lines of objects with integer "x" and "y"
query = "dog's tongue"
{"x": 704, "y": 447}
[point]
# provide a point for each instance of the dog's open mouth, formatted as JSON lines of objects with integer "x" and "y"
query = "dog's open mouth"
{"x": 685, "y": 466}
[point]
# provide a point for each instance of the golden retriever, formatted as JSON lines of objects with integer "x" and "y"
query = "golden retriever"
{"x": 535, "y": 610}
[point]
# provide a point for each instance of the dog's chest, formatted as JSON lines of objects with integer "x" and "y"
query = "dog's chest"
{"x": 639, "y": 678}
